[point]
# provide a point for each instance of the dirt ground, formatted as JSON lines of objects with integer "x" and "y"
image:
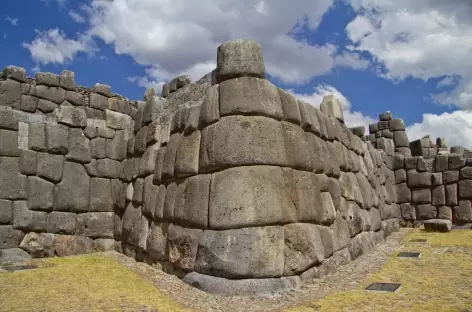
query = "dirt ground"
{"x": 440, "y": 280}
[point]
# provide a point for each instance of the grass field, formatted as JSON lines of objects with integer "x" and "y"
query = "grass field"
{"x": 440, "y": 280}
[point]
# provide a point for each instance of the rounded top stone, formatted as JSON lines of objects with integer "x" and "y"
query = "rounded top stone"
{"x": 15, "y": 73}
{"x": 333, "y": 107}
{"x": 239, "y": 58}
{"x": 102, "y": 89}
{"x": 47, "y": 79}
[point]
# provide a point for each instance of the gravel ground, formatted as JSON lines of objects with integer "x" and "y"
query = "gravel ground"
{"x": 351, "y": 276}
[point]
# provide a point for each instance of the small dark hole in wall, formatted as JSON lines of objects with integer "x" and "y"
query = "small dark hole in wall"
{"x": 389, "y": 287}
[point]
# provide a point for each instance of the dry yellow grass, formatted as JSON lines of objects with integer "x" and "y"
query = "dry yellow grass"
{"x": 81, "y": 283}
{"x": 441, "y": 280}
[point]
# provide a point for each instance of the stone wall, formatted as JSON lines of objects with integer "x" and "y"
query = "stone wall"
{"x": 229, "y": 182}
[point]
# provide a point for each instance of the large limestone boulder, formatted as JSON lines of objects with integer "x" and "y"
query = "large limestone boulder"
{"x": 39, "y": 245}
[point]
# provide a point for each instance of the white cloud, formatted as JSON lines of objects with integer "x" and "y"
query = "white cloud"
{"x": 422, "y": 39}
{"x": 76, "y": 17}
{"x": 53, "y": 47}
{"x": 455, "y": 127}
{"x": 183, "y": 35}
{"x": 59, "y": 2}
{"x": 351, "y": 118}
{"x": 13, "y": 21}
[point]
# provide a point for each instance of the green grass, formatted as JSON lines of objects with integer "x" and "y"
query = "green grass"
{"x": 441, "y": 280}
{"x": 81, "y": 283}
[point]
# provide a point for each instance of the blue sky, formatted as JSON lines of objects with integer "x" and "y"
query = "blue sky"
{"x": 376, "y": 55}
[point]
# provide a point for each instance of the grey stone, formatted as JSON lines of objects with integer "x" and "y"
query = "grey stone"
{"x": 361, "y": 244}
{"x": 50, "y": 166}
{"x": 98, "y": 101}
{"x": 400, "y": 176}
{"x": 100, "y": 195}
{"x": 445, "y": 213}
{"x": 91, "y": 168}
{"x": 103, "y": 244}
{"x": 383, "y": 124}
{"x": 71, "y": 116}
{"x": 102, "y": 89}
{"x": 442, "y": 163}
{"x": 116, "y": 147}
{"x": 53, "y": 94}
{"x": 332, "y": 107}
{"x": 386, "y": 145}
{"x": 168, "y": 163}
{"x": 182, "y": 245}
{"x": 9, "y": 143}
{"x": 117, "y": 121}
{"x": 165, "y": 90}
{"x": 138, "y": 189}
{"x": 242, "y": 287}
{"x": 179, "y": 82}
{"x": 386, "y": 116}
{"x": 297, "y": 148}
{"x": 465, "y": 189}
{"x": 37, "y": 137}
{"x": 426, "y": 212}
{"x": 303, "y": 247}
{"x": 463, "y": 212}
{"x": 6, "y": 208}
{"x": 38, "y": 245}
{"x": 67, "y": 80}
{"x": 396, "y": 124}
{"x": 150, "y": 192}
{"x": 438, "y": 196}
{"x": 79, "y": 147}
{"x": 57, "y": 139}
{"x": 437, "y": 225}
{"x": 246, "y": 196}
{"x": 13, "y": 256}
{"x": 169, "y": 202}
{"x": 118, "y": 193}
{"x": 156, "y": 241}
{"x": 94, "y": 114}
{"x": 387, "y": 134}
{"x": 152, "y": 110}
{"x": 465, "y": 173}
{"x": 109, "y": 168}
{"x": 451, "y": 194}
{"x": 403, "y": 193}
{"x": 340, "y": 233}
{"x": 9, "y": 237}
{"x": 40, "y": 194}
{"x": 328, "y": 266}
{"x": 27, "y": 220}
{"x": 310, "y": 119}
{"x": 106, "y": 133}
{"x": 408, "y": 212}
{"x": 192, "y": 202}
{"x": 436, "y": 179}
{"x": 61, "y": 223}
{"x": 456, "y": 161}
{"x": 160, "y": 202}
{"x": 249, "y": 95}
{"x": 148, "y": 161}
{"x": 14, "y": 185}
{"x": 46, "y": 106}
{"x": 96, "y": 224}
{"x": 159, "y": 164}
{"x": 421, "y": 196}
{"x": 68, "y": 245}
{"x": 240, "y": 253}
{"x": 98, "y": 148}
{"x": 140, "y": 141}
{"x": 410, "y": 163}
{"x": 210, "y": 111}
{"x": 72, "y": 194}
{"x": 153, "y": 135}
{"x": 290, "y": 108}
{"x": 187, "y": 155}
{"x": 373, "y": 128}
{"x": 28, "y": 103}
{"x": 15, "y": 73}
{"x": 375, "y": 220}
{"x": 47, "y": 79}
{"x": 135, "y": 227}
{"x": 10, "y": 93}
{"x": 419, "y": 179}
{"x": 238, "y": 58}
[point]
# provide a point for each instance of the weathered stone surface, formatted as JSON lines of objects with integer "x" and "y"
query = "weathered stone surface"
{"x": 328, "y": 266}
{"x": 332, "y": 106}
{"x": 445, "y": 213}
{"x": 6, "y": 208}
{"x": 465, "y": 189}
{"x": 247, "y": 252}
{"x": 150, "y": 192}
{"x": 361, "y": 244}
{"x": 187, "y": 155}
{"x": 47, "y": 79}
{"x": 250, "y": 96}
{"x": 98, "y": 101}
{"x": 438, "y": 196}
{"x": 192, "y": 201}
{"x": 400, "y": 139}
{"x": 72, "y": 194}
{"x": 465, "y": 173}
{"x": 463, "y": 212}
{"x": 290, "y": 108}
{"x": 451, "y": 194}
{"x": 79, "y": 147}
{"x": 13, "y": 256}
{"x": 9, "y": 143}
{"x": 61, "y": 223}
{"x": 15, "y": 73}
{"x": 100, "y": 195}
{"x": 242, "y": 287}
{"x": 10, "y": 237}
{"x": 40, "y": 194}
{"x": 238, "y": 58}
{"x": 38, "y": 245}
{"x": 140, "y": 141}
{"x": 10, "y": 93}
{"x": 71, "y": 116}
{"x": 400, "y": 176}
{"x": 109, "y": 168}
{"x": 14, "y": 185}
{"x": 138, "y": 190}
{"x": 160, "y": 202}
{"x": 135, "y": 227}
{"x": 421, "y": 196}
{"x": 419, "y": 179}
{"x": 437, "y": 225}
{"x": 303, "y": 247}
{"x": 182, "y": 245}
{"x": 297, "y": 148}
{"x": 75, "y": 98}
{"x": 98, "y": 148}
{"x": 68, "y": 245}
{"x": 442, "y": 163}
{"x": 37, "y": 137}
{"x": 350, "y": 187}
{"x": 50, "y": 167}
{"x": 156, "y": 242}
{"x": 386, "y": 145}
{"x": 340, "y": 233}
{"x": 57, "y": 139}
{"x": 408, "y": 212}
{"x": 169, "y": 202}
{"x": 246, "y": 196}
{"x": 96, "y": 224}
{"x": 242, "y": 140}
{"x": 396, "y": 124}
{"x": 456, "y": 161}
{"x": 116, "y": 147}
{"x": 426, "y": 212}
{"x": 210, "y": 110}
{"x": 27, "y": 220}
{"x": 436, "y": 179}
{"x": 28, "y": 103}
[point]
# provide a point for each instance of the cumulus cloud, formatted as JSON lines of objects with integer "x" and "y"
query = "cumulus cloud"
{"x": 351, "y": 118}
{"x": 421, "y": 39}
{"x": 455, "y": 127}
{"x": 76, "y": 17}
{"x": 54, "y": 47}
{"x": 12, "y": 20}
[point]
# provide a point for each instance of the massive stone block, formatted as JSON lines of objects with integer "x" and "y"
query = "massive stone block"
{"x": 451, "y": 176}
{"x": 150, "y": 192}
{"x": 250, "y": 96}
{"x": 6, "y": 208}
{"x": 296, "y": 146}
{"x": 96, "y": 224}
{"x": 27, "y": 220}
{"x": 246, "y": 196}
{"x": 156, "y": 241}
{"x": 242, "y": 253}
{"x": 68, "y": 245}
{"x": 72, "y": 194}
{"x": 9, "y": 143}
{"x": 50, "y": 167}
{"x": 71, "y": 116}
{"x": 13, "y": 184}
{"x": 40, "y": 194}
{"x": 463, "y": 212}
{"x": 210, "y": 111}
{"x": 168, "y": 163}
{"x": 79, "y": 147}
{"x": 135, "y": 227}
{"x": 291, "y": 111}
{"x": 438, "y": 196}
{"x": 186, "y": 158}
{"x": 333, "y": 107}
{"x": 192, "y": 202}
{"x": 451, "y": 195}
{"x": 38, "y": 245}
{"x": 465, "y": 189}
{"x": 340, "y": 233}
{"x": 10, "y": 93}
{"x": 242, "y": 140}
{"x": 57, "y": 139}
{"x": 62, "y": 223}
{"x": 419, "y": 179}
{"x": 116, "y": 147}
{"x": 303, "y": 247}
{"x": 182, "y": 244}
{"x": 426, "y": 212}
{"x": 100, "y": 195}
{"x": 109, "y": 168}
{"x": 10, "y": 237}
{"x": 421, "y": 196}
